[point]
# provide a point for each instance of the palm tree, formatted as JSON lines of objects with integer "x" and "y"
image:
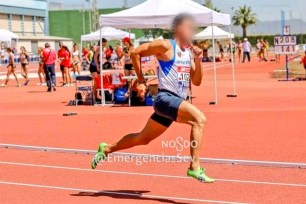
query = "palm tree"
{"x": 244, "y": 17}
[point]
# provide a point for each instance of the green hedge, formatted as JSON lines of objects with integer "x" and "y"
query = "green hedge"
{"x": 301, "y": 38}
{"x": 69, "y": 23}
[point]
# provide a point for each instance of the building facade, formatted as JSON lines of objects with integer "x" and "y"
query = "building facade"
{"x": 24, "y": 17}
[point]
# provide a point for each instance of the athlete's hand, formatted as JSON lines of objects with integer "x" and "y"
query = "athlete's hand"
{"x": 197, "y": 52}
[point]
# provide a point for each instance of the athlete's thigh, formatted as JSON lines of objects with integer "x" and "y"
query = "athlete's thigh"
{"x": 152, "y": 130}
{"x": 9, "y": 70}
{"x": 188, "y": 114}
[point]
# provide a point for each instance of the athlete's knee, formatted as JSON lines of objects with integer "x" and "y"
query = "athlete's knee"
{"x": 145, "y": 141}
{"x": 140, "y": 139}
{"x": 200, "y": 119}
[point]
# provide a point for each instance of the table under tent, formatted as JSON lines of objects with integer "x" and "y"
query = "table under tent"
{"x": 160, "y": 14}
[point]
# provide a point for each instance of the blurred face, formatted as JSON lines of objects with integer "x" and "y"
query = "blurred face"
{"x": 186, "y": 30}
{"x": 104, "y": 44}
{"x": 126, "y": 44}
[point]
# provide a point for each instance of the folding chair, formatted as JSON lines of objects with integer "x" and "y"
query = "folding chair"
{"x": 109, "y": 84}
{"x": 84, "y": 87}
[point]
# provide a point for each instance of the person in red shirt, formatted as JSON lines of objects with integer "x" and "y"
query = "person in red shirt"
{"x": 49, "y": 59}
{"x": 59, "y": 56}
{"x": 64, "y": 56}
{"x": 85, "y": 59}
{"x": 303, "y": 61}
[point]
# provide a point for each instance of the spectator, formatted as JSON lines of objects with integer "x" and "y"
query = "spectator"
{"x": 267, "y": 48}
{"x": 221, "y": 50}
{"x": 76, "y": 60}
{"x": 11, "y": 67}
{"x": 24, "y": 60}
{"x": 128, "y": 64}
{"x": 231, "y": 49}
{"x": 239, "y": 49}
{"x": 65, "y": 64}
{"x": 49, "y": 58}
{"x": 85, "y": 59}
{"x": 246, "y": 47}
{"x": 263, "y": 50}
{"x": 40, "y": 71}
{"x": 303, "y": 61}
{"x": 60, "y": 56}
{"x": 119, "y": 53}
{"x": 258, "y": 49}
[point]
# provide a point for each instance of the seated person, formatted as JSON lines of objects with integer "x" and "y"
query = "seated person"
{"x": 138, "y": 95}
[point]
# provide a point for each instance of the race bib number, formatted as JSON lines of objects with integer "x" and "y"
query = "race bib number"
{"x": 183, "y": 78}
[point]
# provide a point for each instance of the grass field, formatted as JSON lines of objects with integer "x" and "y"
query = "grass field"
{"x": 69, "y": 23}
{"x": 296, "y": 69}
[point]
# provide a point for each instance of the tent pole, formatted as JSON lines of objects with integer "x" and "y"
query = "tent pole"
{"x": 101, "y": 69}
{"x": 129, "y": 84}
{"x": 215, "y": 68}
{"x": 234, "y": 94}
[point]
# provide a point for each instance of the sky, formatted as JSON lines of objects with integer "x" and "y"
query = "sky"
{"x": 266, "y": 10}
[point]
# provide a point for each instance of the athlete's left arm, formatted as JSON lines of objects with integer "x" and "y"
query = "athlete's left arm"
{"x": 196, "y": 67}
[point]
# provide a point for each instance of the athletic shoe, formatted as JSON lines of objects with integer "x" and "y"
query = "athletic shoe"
{"x": 3, "y": 85}
{"x": 200, "y": 175}
{"x": 100, "y": 156}
{"x": 39, "y": 84}
{"x": 26, "y": 83}
{"x": 18, "y": 85}
{"x": 43, "y": 84}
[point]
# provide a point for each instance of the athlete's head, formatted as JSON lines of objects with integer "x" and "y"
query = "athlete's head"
{"x": 183, "y": 27}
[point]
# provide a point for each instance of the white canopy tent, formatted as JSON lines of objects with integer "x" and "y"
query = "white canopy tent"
{"x": 108, "y": 33}
{"x": 206, "y": 34}
{"x": 160, "y": 14}
{"x": 7, "y": 36}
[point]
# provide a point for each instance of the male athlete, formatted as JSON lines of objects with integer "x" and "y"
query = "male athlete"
{"x": 178, "y": 65}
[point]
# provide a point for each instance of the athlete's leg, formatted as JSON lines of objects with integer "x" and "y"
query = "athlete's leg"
{"x": 9, "y": 71}
{"x": 15, "y": 75}
{"x": 191, "y": 115}
{"x": 151, "y": 131}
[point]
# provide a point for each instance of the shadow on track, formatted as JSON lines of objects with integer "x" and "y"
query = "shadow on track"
{"x": 126, "y": 194}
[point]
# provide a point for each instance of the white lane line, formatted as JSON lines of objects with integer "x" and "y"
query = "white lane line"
{"x": 161, "y": 158}
{"x": 150, "y": 175}
{"x": 116, "y": 193}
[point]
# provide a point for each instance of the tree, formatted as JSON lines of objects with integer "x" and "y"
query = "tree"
{"x": 210, "y": 5}
{"x": 244, "y": 17}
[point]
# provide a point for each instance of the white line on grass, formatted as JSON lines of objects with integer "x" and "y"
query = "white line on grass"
{"x": 149, "y": 175}
{"x": 116, "y": 193}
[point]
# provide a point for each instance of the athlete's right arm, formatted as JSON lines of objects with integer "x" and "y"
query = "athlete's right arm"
{"x": 157, "y": 47}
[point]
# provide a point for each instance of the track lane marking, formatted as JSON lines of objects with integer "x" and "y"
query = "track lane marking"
{"x": 117, "y": 193}
{"x": 182, "y": 158}
{"x": 149, "y": 175}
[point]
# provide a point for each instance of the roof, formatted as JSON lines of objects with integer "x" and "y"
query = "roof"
{"x": 45, "y": 38}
